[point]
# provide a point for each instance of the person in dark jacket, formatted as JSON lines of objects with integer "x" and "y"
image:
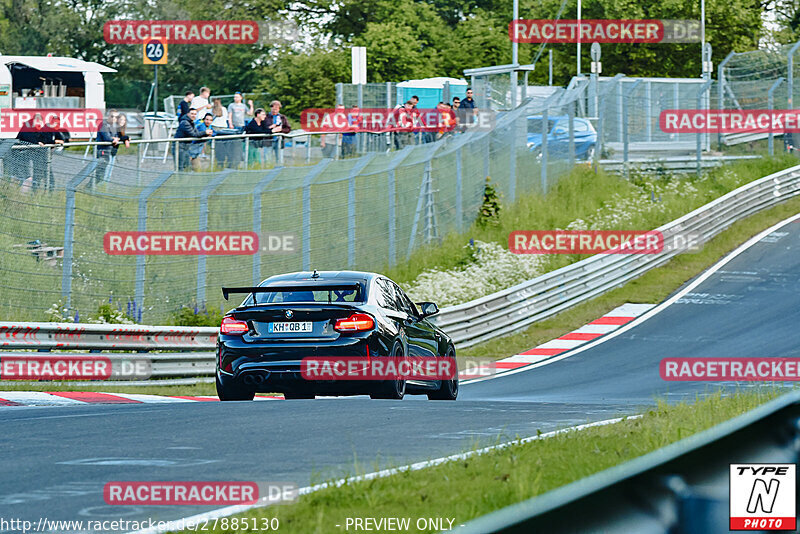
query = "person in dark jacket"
{"x": 34, "y": 132}
{"x": 258, "y": 125}
{"x": 186, "y": 130}
{"x": 185, "y": 105}
{"x": 60, "y": 136}
{"x": 278, "y": 124}
{"x": 105, "y": 134}
{"x": 468, "y": 109}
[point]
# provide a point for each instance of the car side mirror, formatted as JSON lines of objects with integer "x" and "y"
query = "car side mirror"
{"x": 426, "y": 309}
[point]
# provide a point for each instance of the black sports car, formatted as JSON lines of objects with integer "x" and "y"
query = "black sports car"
{"x": 344, "y": 314}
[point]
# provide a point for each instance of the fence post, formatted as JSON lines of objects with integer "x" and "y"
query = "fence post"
{"x": 487, "y": 155}
{"x": 246, "y": 153}
{"x": 203, "y": 227}
{"x": 459, "y": 193}
{"x": 144, "y": 196}
{"x": 313, "y": 173}
{"x": 69, "y": 231}
{"x": 571, "y": 126}
{"x": 425, "y": 195}
{"x": 396, "y": 160}
{"x": 138, "y": 164}
{"x": 626, "y": 94}
{"x": 213, "y": 150}
{"x": 543, "y": 159}
{"x": 257, "y": 191}
{"x": 512, "y": 163}
{"x": 351, "y": 207}
{"x": 699, "y": 148}
{"x": 721, "y": 87}
{"x": 770, "y": 103}
{"x": 175, "y": 153}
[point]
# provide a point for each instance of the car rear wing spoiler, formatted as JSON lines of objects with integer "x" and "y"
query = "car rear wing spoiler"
{"x": 295, "y": 287}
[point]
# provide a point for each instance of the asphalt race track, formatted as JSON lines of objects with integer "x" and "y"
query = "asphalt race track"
{"x": 55, "y": 461}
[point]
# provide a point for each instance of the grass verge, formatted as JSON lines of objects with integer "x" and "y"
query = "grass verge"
{"x": 465, "y": 489}
{"x": 652, "y": 287}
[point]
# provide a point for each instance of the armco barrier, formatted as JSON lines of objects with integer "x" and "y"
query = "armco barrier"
{"x": 683, "y": 487}
{"x": 519, "y": 306}
{"x": 469, "y": 323}
{"x": 82, "y": 336}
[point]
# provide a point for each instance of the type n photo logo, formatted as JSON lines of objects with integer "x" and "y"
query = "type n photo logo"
{"x": 762, "y": 497}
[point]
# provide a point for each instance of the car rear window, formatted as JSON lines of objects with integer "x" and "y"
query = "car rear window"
{"x": 331, "y": 294}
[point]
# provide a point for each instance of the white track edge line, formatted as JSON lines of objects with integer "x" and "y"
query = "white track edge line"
{"x": 230, "y": 510}
{"x": 653, "y": 311}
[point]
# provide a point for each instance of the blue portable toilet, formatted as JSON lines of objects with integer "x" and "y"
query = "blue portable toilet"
{"x": 429, "y": 90}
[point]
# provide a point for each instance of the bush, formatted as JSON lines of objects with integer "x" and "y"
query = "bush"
{"x": 187, "y": 316}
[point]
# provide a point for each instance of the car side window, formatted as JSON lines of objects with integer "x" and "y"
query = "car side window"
{"x": 404, "y": 302}
{"x": 385, "y": 295}
{"x": 580, "y": 126}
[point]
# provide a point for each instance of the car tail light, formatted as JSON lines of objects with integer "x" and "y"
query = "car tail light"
{"x": 233, "y": 327}
{"x": 358, "y": 322}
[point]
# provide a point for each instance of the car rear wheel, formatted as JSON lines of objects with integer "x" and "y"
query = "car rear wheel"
{"x": 234, "y": 392}
{"x": 392, "y": 389}
{"x": 449, "y": 388}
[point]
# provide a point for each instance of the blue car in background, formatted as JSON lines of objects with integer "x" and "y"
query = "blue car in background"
{"x": 558, "y": 136}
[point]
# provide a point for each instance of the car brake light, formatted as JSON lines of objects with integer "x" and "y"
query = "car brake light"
{"x": 233, "y": 327}
{"x": 358, "y": 322}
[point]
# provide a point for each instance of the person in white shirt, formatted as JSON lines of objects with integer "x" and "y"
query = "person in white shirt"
{"x": 220, "y": 114}
{"x": 201, "y": 103}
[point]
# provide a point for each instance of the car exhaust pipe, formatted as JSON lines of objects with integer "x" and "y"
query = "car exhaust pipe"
{"x": 254, "y": 379}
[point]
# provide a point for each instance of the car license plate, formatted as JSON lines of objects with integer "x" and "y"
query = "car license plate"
{"x": 294, "y": 326}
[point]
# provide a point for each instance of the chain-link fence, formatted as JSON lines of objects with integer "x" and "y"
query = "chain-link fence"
{"x": 365, "y": 213}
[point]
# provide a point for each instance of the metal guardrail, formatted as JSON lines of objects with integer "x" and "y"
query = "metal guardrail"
{"x": 670, "y": 163}
{"x": 469, "y": 323}
{"x": 682, "y": 487}
{"x": 82, "y": 336}
{"x": 517, "y": 307}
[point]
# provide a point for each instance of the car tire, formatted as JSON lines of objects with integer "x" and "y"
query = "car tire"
{"x": 392, "y": 389}
{"x": 449, "y": 388}
{"x": 234, "y": 392}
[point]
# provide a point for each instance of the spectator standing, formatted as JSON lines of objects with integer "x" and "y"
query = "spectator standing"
{"x": 258, "y": 125}
{"x": 219, "y": 113}
{"x": 34, "y": 133}
{"x": 404, "y": 119}
{"x": 186, "y": 130}
{"x": 206, "y": 125}
{"x": 118, "y": 129}
{"x": 201, "y": 102}
{"x": 349, "y": 138}
{"x": 469, "y": 110}
{"x": 105, "y": 134}
{"x": 328, "y": 141}
{"x": 238, "y": 111}
{"x": 458, "y": 114}
{"x": 278, "y": 124}
{"x": 185, "y": 105}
